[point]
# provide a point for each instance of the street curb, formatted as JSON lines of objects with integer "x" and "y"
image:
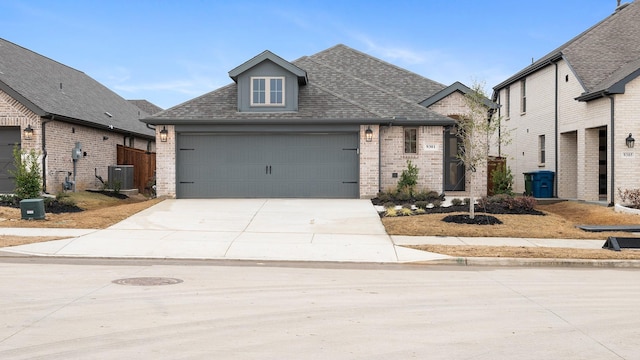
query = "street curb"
{"x": 533, "y": 262}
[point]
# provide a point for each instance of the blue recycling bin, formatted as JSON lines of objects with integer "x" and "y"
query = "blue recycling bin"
{"x": 542, "y": 183}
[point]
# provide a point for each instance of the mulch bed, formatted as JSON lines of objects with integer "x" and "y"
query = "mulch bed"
{"x": 477, "y": 219}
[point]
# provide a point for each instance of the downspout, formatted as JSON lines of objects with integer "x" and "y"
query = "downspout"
{"x": 556, "y": 135}
{"x": 44, "y": 153}
{"x": 613, "y": 145}
{"x": 380, "y": 158}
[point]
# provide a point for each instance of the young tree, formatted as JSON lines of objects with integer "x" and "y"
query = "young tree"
{"x": 27, "y": 173}
{"x": 475, "y": 130}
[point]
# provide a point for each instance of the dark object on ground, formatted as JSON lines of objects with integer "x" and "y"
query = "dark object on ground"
{"x": 477, "y": 220}
{"x": 57, "y": 207}
{"x": 603, "y": 228}
{"x": 110, "y": 193}
{"x": 617, "y": 243}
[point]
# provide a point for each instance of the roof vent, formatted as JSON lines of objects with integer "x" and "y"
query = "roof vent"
{"x": 620, "y": 7}
{"x": 108, "y": 114}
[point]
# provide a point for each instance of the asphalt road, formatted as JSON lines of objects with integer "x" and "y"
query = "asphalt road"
{"x": 70, "y": 309}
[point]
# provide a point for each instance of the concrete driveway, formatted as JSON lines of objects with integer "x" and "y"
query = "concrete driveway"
{"x": 243, "y": 229}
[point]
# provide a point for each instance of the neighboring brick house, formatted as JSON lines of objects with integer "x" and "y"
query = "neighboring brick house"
{"x": 337, "y": 124}
{"x": 572, "y": 111}
{"x": 50, "y": 107}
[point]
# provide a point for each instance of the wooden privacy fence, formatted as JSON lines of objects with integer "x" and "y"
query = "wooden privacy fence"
{"x": 144, "y": 166}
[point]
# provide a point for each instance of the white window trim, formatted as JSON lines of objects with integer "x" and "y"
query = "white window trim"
{"x": 267, "y": 90}
{"x": 542, "y": 149}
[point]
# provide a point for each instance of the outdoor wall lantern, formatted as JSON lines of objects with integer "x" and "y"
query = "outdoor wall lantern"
{"x": 163, "y": 134}
{"x": 368, "y": 134}
{"x": 630, "y": 141}
{"x": 28, "y": 133}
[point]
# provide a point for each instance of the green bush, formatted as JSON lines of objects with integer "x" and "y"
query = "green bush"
{"x": 502, "y": 180}
{"x": 27, "y": 173}
{"x": 456, "y": 202}
{"x": 436, "y": 203}
{"x": 408, "y": 178}
{"x": 422, "y": 204}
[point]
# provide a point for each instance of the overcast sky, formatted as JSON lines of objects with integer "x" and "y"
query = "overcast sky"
{"x": 169, "y": 52}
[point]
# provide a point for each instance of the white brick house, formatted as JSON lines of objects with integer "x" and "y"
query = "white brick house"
{"x": 62, "y": 107}
{"x": 572, "y": 110}
{"x": 338, "y": 123}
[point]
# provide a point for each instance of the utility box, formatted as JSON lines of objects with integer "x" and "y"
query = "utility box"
{"x": 121, "y": 176}
{"x": 32, "y": 209}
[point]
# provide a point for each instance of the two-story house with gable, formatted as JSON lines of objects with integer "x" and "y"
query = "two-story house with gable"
{"x": 575, "y": 112}
{"x": 337, "y": 124}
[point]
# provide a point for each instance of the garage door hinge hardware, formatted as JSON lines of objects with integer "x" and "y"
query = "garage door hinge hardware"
{"x": 349, "y": 182}
{"x": 267, "y": 169}
{"x": 187, "y": 182}
{"x": 187, "y": 149}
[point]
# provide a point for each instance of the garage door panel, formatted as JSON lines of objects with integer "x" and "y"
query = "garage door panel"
{"x": 267, "y": 165}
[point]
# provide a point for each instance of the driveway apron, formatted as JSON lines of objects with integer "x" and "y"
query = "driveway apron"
{"x": 243, "y": 229}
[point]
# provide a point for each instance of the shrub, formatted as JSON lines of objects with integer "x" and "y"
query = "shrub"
{"x": 466, "y": 201}
{"x": 526, "y": 202}
{"x": 406, "y": 206}
{"x": 384, "y": 197}
{"x": 406, "y": 212}
{"x": 422, "y": 204}
{"x": 630, "y": 197}
{"x": 408, "y": 178}
{"x": 65, "y": 199}
{"x": 421, "y": 211}
{"x": 502, "y": 180}
{"x": 436, "y": 203}
{"x": 389, "y": 205}
{"x": 456, "y": 202}
{"x": 404, "y": 195}
{"x": 391, "y": 212}
{"x": 27, "y": 173}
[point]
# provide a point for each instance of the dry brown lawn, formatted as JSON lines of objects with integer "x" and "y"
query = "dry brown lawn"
{"x": 560, "y": 222}
{"x": 100, "y": 211}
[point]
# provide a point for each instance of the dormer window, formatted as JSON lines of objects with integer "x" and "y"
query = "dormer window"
{"x": 267, "y": 91}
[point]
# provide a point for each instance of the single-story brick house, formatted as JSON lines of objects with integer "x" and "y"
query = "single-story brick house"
{"x": 573, "y": 111}
{"x": 53, "y": 109}
{"x": 337, "y": 124}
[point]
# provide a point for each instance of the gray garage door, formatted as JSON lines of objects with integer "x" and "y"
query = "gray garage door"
{"x": 9, "y": 137}
{"x": 267, "y": 165}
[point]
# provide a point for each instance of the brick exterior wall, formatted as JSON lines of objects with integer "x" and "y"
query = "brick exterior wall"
{"x": 166, "y": 163}
{"x": 369, "y": 163}
{"x": 627, "y": 161}
{"x": 60, "y": 139}
{"x": 428, "y": 159}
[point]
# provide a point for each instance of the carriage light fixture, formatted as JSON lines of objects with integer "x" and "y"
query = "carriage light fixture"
{"x": 163, "y": 134}
{"x": 28, "y": 133}
{"x": 630, "y": 141}
{"x": 368, "y": 134}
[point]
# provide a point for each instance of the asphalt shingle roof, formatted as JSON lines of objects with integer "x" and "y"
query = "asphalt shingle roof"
{"x": 146, "y": 106}
{"x": 343, "y": 84}
{"x": 48, "y": 87}
{"x": 600, "y": 56}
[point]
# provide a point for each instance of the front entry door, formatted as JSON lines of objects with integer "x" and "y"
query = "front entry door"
{"x": 453, "y": 167}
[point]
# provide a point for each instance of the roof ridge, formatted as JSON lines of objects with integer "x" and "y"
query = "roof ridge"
{"x": 406, "y": 71}
{"x": 40, "y": 55}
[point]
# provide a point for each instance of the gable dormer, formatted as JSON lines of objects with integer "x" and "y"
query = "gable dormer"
{"x": 268, "y": 83}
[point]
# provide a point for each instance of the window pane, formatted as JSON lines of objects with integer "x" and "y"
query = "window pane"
{"x": 410, "y": 141}
{"x": 258, "y": 91}
{"x": 275, "y": 91}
